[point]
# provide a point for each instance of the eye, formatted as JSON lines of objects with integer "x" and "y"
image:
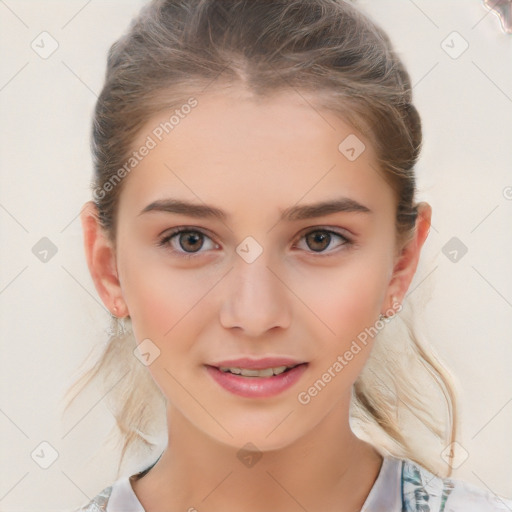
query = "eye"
{"x": 318, "y": 240}
{"x": 186, "y": 242}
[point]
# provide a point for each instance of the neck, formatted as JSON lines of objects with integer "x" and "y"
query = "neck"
{"x": 328, "y": 468}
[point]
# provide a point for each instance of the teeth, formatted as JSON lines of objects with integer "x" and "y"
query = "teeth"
{"x": 267, "y": 372}
{"x": 279, "y": 369}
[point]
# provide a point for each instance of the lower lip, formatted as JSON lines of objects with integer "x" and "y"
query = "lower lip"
{"x": 257, "y": 387}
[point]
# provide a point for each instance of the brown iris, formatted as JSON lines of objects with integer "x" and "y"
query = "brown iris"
{"x": 191, "y": 241}
{"x": 318, "y": 240}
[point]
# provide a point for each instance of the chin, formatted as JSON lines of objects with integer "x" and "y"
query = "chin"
{"x": 262, "y": 436}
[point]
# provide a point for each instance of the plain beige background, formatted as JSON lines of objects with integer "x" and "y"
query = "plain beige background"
{"x": 51, "y": 316}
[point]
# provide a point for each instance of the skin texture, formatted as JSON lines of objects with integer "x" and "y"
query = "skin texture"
{"x": 254, "y": 159}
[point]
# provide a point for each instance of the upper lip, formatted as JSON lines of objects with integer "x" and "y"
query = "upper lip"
{"x": 257, "y": 364}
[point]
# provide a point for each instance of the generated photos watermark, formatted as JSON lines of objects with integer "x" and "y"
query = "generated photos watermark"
{"x": 305, "y": 397}
{"x": 157, "y": 135}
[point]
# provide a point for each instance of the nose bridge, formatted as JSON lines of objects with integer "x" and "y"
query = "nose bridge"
{"x": 255, "y": 298}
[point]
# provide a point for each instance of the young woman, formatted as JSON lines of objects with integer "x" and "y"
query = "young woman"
{"x": 255, "y": 224}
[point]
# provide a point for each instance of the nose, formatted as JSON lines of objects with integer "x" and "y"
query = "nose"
{"x": 256, "y": 298}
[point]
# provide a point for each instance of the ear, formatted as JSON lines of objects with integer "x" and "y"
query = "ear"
{"x": 407, "y": 260}
{"x": 101, "y": 260}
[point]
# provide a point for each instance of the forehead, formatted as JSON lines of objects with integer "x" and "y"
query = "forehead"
{"x": 233, "y": 146}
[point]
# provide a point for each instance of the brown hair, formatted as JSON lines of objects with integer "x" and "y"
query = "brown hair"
{"x": 177, "y": 48}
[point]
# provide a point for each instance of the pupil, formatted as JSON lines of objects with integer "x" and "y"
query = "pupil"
{"x": 318, "y": 237}
{"x": 192, "y": 239}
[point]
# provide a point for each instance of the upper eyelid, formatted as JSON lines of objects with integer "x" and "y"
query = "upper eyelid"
{"x": 176, "y": 230}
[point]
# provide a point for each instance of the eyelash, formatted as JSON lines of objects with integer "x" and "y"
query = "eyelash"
{"x": 165, "y": 241}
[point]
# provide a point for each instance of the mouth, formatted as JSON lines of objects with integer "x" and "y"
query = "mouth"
{"x": 262, "y": 381}
{"x": 264, "y": 372}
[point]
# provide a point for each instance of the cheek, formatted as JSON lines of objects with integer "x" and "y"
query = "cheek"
{"x": 347, "y": 298}
{"x": 160, "y": 299}
{"x": 346, "y": 301}
{"x": 168, "y": 306}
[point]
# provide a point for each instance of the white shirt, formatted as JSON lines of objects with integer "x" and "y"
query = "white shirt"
{"x": 401, "y": 486}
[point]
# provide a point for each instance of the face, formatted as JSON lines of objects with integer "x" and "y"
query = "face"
{"x": 267, "y": 275}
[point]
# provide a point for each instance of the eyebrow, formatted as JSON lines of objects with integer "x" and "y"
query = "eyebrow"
{"x": 309, "y": 211}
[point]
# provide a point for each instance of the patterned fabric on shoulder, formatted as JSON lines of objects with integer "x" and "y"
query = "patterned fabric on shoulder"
{"x": 98, "y": 503}
{"x": 423, "y": 491}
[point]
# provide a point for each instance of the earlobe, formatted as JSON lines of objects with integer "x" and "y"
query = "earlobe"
{"x": 101, "y": 261}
